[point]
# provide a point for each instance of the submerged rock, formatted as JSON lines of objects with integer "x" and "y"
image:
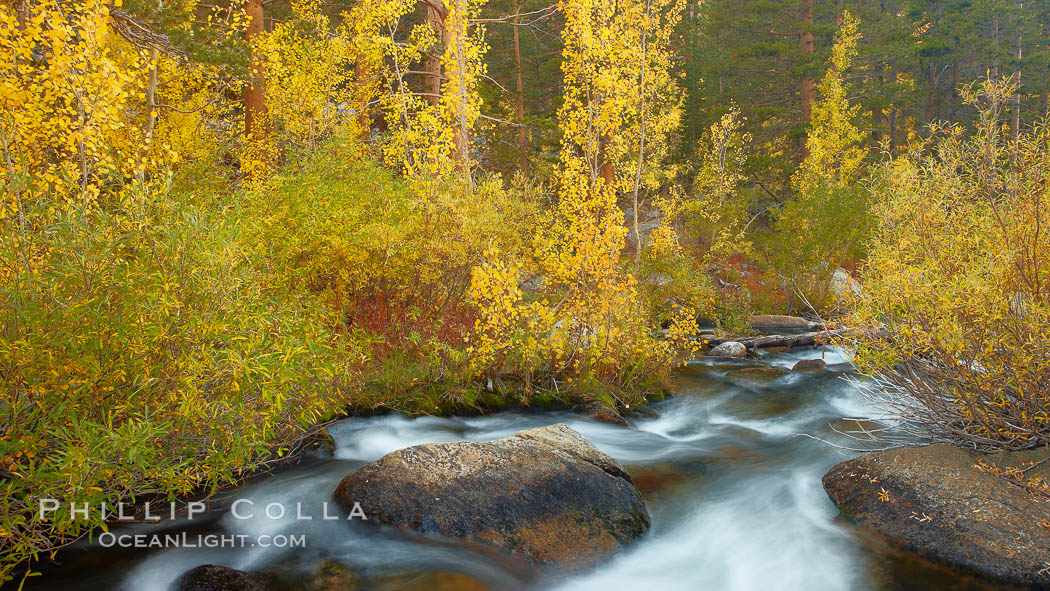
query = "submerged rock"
{"x": 430, "y": 581}
{"x": 809, "y": 364}
{"x": 765, "y": 372}
{"x": 603, "y": 413}
{"x": 333, "y": 576}
{"x": 546, "y": 495}
{"x": 730, "y": 349}
{"x": 212, "y": 577}
{"x": 952, "y": 506}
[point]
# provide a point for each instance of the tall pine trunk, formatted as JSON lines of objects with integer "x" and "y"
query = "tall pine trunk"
{"x": 432, "y": 64}
{"x": 1017, "y": 74}
{"x": 522, "y": 150}
{"x": 254, "y": 92}
{"x": 808, "y": 86}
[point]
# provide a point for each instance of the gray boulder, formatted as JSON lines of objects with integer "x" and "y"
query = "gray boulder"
{"x": 546, "y": 495}
{"x": 843, "y": 286}
{"x": 730, "y": 349}
{"x": 954, "y": 507}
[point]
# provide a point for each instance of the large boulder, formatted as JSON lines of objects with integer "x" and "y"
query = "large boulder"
{"x": 212, "y": 577}
{"x": 953, "y": 506}
{"x": 843, "y": 286}
{"x": 546, "y": 495}
{"x": 730, "y": 349}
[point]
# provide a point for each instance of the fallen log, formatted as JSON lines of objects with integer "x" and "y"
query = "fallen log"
{"x": 806, "y": 339}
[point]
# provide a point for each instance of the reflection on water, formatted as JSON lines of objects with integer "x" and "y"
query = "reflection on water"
{"x": 732, "y": 483}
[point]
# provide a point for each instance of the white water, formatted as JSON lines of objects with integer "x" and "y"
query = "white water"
{"x": 737, "y": 503}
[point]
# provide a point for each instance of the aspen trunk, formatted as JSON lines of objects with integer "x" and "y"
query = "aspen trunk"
{"x": 463, "y": 136}
{"x": 362, "y": 79}
{"x": 151, "y": 117}
{"x": 641, "y": 140}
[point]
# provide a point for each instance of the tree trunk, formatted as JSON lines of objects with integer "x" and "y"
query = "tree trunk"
{"x": 432, "y": 64}
{"x": 151, "y": 116}
{"x": 808, "y": 88}
{"x": 607, "y": 170}
{"x": 931, "y": 95}
{"x": 641, "y": 140}
{"x": 1017, "y": 74}
{"x": 522, "y": 148}
{"x": 254, "y": 92}
{"x": 995, "y": 40}
{"x": 893, "y": 130}
{"x": 456, "y": 33}
{"x": 877, "y": 113}
{"x": 362, "y": 79}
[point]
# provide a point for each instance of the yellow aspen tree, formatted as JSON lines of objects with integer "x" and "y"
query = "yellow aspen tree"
{"x": 616, "y": 72}
{"x": 66, "y": 117}
{"x": 659, "y": 104}
{"x": 825, "y": 224}
{"x": 307, "y": 80}
{"x": 431, "y": 139}
{"x": 619, "y": 111}
{"x": 834, "y": 146}
{"x": 617, "y": 77}
{"x": 462, "y": 61}
{"x": 380, "y": 63}
{"x": 715, "y": 215}
{"x": 435, "y": 19}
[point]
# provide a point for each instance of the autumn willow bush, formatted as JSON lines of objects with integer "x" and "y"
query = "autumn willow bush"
{"x": 393, "y": 258}
{"x": 957, "y": 284}
{"x": 141, "y": 353}
{"x": 459, "y": 295}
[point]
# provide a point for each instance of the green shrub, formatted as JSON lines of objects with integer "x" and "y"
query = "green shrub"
{"x": 957, "y": 286}
{"x": 393, "y": 262}
{"x": 142, "y": 353}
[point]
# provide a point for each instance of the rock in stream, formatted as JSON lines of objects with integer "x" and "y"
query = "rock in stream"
{"x": 953, "y": 506}
{"x": 547, "y": 495}
{"x": 212, "y": 577}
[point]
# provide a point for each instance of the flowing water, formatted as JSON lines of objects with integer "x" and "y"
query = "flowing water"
{"x": 730, "y": 468}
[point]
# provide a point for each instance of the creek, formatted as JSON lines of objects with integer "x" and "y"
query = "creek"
{"x": 730, "y": 468}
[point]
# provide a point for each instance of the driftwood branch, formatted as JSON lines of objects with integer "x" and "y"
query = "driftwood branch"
{"x": 806, "y": 339}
